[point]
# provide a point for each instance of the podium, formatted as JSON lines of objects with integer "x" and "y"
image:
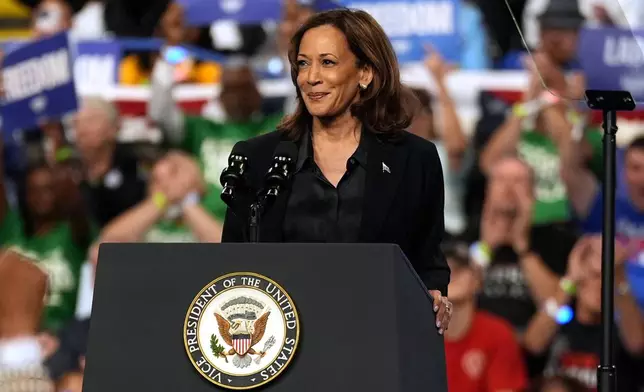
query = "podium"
{"x": 364, "y": 319}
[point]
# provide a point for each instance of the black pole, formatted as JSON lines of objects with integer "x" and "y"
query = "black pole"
{"x": 254, "y": 221}
{"x": 606, "y": 373}
{"x": 609, "y": 102}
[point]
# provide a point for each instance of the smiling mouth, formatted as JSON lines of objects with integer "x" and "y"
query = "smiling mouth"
{"x": 316, "y": 96}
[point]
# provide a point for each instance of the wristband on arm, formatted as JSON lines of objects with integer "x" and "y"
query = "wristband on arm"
{"x": 568, "y": 286}
{"x": 551, "y": 307}
{"x": 191, "y": 199}
{"x": 160, "y": 200}
{"x": 481, "y": 254}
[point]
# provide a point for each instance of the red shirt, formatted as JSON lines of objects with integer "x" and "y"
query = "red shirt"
{"x": 487, "y": 359}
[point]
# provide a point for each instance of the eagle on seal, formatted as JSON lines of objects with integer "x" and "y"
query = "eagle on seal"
{"x": 242, "y": 334}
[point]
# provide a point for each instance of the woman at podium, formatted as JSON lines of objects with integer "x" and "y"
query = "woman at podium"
{"x": 358, "y": 176}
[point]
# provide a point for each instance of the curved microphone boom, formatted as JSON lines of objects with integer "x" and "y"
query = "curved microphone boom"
{"x": 233, "y": 177}
{"x": 279, "y": 174}
{"x": 276, "y": 180}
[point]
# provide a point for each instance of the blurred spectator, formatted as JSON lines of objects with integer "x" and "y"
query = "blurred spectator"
{"x": 606, "y": 13}
{"x": 478, "y": 360}
{"x": 22, "y": 289}
{"x": 552, "y": 27}
{"x": 135, "y": 68}
{"x": 114, "y": 179}
{"x": 51, "y": 228}
{"x": 449, "y": 139}
{"x": 577, "y": 344}
{"x": 532, "y": 131}
{"x": 211, "y": 141}
{"x": 587, "y": 198}
{"x": 51, "y": 17}
{"x": 520, "y": 262}
{"x": 175, "y": 209}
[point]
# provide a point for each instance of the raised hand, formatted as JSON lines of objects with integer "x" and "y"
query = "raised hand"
{"x": 495, "y": 228}
{"x": 177, "y": 175}
{"x": 551, "y": 73}
{"x": 435, "y": 63}
{"x": 523, "y": 219}
{"x": 579, "y": 259}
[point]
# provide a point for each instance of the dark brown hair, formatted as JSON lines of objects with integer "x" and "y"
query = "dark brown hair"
{"x": 424, "y": 98}
{"x": 383, "y": 106}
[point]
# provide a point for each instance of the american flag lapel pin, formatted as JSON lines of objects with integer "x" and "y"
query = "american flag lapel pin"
{"x": 385, "y": 168}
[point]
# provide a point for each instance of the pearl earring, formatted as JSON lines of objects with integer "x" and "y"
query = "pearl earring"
{"x": 363, "y": 86}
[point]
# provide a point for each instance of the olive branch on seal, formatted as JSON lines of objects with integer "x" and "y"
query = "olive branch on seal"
{"x": 216, "y": 348}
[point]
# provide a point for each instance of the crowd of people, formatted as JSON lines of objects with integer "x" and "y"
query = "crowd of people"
{"x": 523, "y": 198}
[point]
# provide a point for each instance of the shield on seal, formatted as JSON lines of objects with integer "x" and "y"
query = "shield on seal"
{"x": 241, "y": 343}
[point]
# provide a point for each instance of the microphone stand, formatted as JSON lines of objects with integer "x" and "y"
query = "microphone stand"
{"x": 609, "y": 102}
{"x": 254, "y": 220}
{"x": 257, "y": 209}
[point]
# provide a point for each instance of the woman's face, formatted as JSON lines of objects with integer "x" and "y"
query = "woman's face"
{"x": 40, "y": 193}
{"x": 328, "y": 75}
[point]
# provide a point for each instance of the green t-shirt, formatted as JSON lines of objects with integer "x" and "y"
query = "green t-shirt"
{"x": 173, "y": 230}
{"x": 211, "y": 143}
{"x": 540, "y": 152}
{"x": 56, "y": 253}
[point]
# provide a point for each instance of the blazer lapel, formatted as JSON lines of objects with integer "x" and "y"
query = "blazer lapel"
{"x": 385, "y": 168}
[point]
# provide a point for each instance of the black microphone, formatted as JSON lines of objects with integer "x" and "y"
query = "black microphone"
{"x": 234, "y": 175}
{"x": 278, "y": 177}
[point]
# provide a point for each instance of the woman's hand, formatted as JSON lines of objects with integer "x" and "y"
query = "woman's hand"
{"x": 443, "y": 309}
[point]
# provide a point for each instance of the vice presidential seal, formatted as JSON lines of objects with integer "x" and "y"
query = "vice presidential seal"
{"x": 241, "y": 331}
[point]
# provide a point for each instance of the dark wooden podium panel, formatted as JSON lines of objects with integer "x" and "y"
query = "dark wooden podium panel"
{"x": 366, "y": 320}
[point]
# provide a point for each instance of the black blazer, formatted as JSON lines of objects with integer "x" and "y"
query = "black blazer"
{"x": 403, "y": 206}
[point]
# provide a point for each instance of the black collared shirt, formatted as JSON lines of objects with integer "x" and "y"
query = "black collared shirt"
{"x": 316, "y": 210}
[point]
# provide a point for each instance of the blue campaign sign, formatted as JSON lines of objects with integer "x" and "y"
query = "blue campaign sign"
{"x": 96, "y": 63}
{"x": 204, "y": 12}
{"x": 38, "y": 84}
{"x": 411, "y": 24}
{"x": 612, "y": 59}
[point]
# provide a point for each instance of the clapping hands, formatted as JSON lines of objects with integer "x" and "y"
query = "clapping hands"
{"x": 176, "y": 176}
{"x": 507, "y": 218}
